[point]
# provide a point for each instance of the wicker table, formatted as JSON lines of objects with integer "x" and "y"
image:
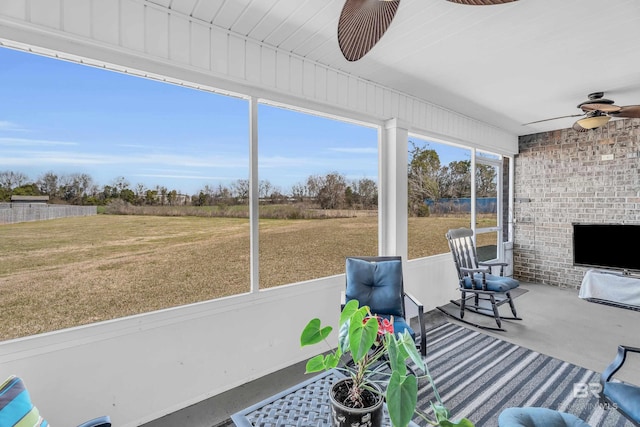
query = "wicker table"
{"x": 303, "y": 405}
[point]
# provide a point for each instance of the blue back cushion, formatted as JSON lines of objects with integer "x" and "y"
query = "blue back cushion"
{"x": 16, "y": 409}
{"x": 376, "y": 284}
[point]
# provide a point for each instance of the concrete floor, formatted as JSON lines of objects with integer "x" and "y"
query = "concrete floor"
{"x": 555, "y": 322}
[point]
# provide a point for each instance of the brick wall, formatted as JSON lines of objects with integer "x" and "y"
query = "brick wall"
{"x": 563, "y": 177}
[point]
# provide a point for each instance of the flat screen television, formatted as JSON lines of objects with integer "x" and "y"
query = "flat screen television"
{"x": 611, "y": 246}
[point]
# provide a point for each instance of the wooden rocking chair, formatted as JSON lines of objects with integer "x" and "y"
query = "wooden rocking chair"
{"x": 482, "y": 292}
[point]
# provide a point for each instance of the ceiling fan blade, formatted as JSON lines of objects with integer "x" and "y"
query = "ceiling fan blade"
{"x": 362, "y": 23}
{"x": 553, "y": 118}
{"x": 481, "y": 2}
{"x": 579, "y": 128}
{"x": 596, "y": 106}
{"x": 629, "y": 111}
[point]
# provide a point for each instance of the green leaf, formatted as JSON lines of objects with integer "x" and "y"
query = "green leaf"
{"x": 348, "y": 310}
{"x": 313, "y": 334}
{"x": 343, "y": 337}
{"x": 331, "y": 361}
{"x": 396, "y": 358}
{"x": 402, "y": 397}
{"x": 315, "y": 364}
{"x": 461, "y": 423}
{"x": 409, "y": 346}
{"x": 361, "y": 335}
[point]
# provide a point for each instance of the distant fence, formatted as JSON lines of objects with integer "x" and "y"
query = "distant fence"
{"x": 442, "y": 206}
{"x": 11, "y": 213}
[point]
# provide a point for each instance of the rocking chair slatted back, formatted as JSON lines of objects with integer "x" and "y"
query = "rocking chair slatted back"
{"x": 463, "y": 250}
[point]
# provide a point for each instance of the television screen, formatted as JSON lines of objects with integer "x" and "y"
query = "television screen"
{"x": 606, "y": 246}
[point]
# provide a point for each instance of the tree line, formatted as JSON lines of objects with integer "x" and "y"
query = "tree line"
{"x": 330, "y": 191}
{"x": 427, "y": 180}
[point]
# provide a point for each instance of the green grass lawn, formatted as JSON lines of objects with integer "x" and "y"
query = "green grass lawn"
{"x": 67, "y": 272}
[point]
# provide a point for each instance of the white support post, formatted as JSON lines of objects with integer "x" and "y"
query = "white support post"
{"x": 392, "y": 193}
{"x": 473, "y": 193}
{"x": 253, "y": 195}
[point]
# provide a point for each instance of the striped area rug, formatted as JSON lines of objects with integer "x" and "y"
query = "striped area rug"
{"x": 478, "y": 376}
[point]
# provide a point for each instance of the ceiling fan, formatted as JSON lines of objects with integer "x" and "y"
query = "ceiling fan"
{"x": 363, "y": 23}
{"x": 597, "y": 112}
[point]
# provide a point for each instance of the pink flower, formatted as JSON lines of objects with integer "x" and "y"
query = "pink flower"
{"x": 384, "y": 325}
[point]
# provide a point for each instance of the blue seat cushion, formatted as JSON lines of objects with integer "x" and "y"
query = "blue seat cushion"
{"x": 538, "y": 417}
{"x": 16, "y": 406}
{"x": 494, "y": 283}
{"x": 625, "y": 396}
{"x": 376, "y": 284}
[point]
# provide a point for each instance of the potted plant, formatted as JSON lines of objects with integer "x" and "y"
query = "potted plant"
{"x": 369, "y": 340}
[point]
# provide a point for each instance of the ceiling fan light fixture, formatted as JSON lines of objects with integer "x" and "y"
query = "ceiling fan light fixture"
{"x": 593, "y": 122}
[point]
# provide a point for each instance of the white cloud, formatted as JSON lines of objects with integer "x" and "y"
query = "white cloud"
{"x": 27, "y": 142}
{"x": 6, "y": 125}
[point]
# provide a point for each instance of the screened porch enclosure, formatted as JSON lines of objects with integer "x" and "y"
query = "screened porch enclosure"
{"x": 142, "y": 367}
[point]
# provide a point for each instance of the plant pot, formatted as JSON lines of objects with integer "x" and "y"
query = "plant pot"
{"x": 345, "y": 416}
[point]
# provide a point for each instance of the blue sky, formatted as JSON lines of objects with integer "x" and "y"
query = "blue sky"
{"x": 70, "y": 118}
{"x": 62, "y": 117}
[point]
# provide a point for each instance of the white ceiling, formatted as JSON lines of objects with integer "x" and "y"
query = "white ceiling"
{"x": 505, "y": 65}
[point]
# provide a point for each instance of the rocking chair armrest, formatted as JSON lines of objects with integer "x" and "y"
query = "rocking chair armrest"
{"x": 617, "y": 363}
{"x": 491, "y": 264}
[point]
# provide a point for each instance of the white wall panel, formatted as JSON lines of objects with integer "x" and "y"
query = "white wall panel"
{"x": 179, "y": 39}
{"x": 200, "y": 45}
{"x": 236, "y": 57}
{"x": 332, "y": 87}
{"x": 343, "y": 89}
{"x": 253, "y": 63}
{"x": 361, "y": 96}
{"x": 282, "y": 71}
{"x": 45, "y": 12}
{"x": 219, "y": 52}
{"x": 77, "y": 17}
{"x": 14, "y": 9}
{"x": 156, "y": 33}
{"x": 321, "y": 83}
{"x": 131, "y": 32}
{"x": 352, "y": 101}
{"x": 268, "y": 67}
{"x": 370, "y": 106}
{"x": 105, "y": 21}
{"x": 308, "y": 79}
{"x": 295, "y": 75}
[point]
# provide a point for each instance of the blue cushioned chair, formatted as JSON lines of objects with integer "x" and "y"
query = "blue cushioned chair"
{"x": 486, "y": 291}
{"x": 624, "y": 397}
{"x": 378, "y": 283}
{"x": 16, "y": 408}
{"x": 538, "y": 417}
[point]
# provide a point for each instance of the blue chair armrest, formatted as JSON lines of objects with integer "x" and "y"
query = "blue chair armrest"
{"x": 608, "y": 373}
{"x": 414, "y": 308}
{"x": 97, "y": 422}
